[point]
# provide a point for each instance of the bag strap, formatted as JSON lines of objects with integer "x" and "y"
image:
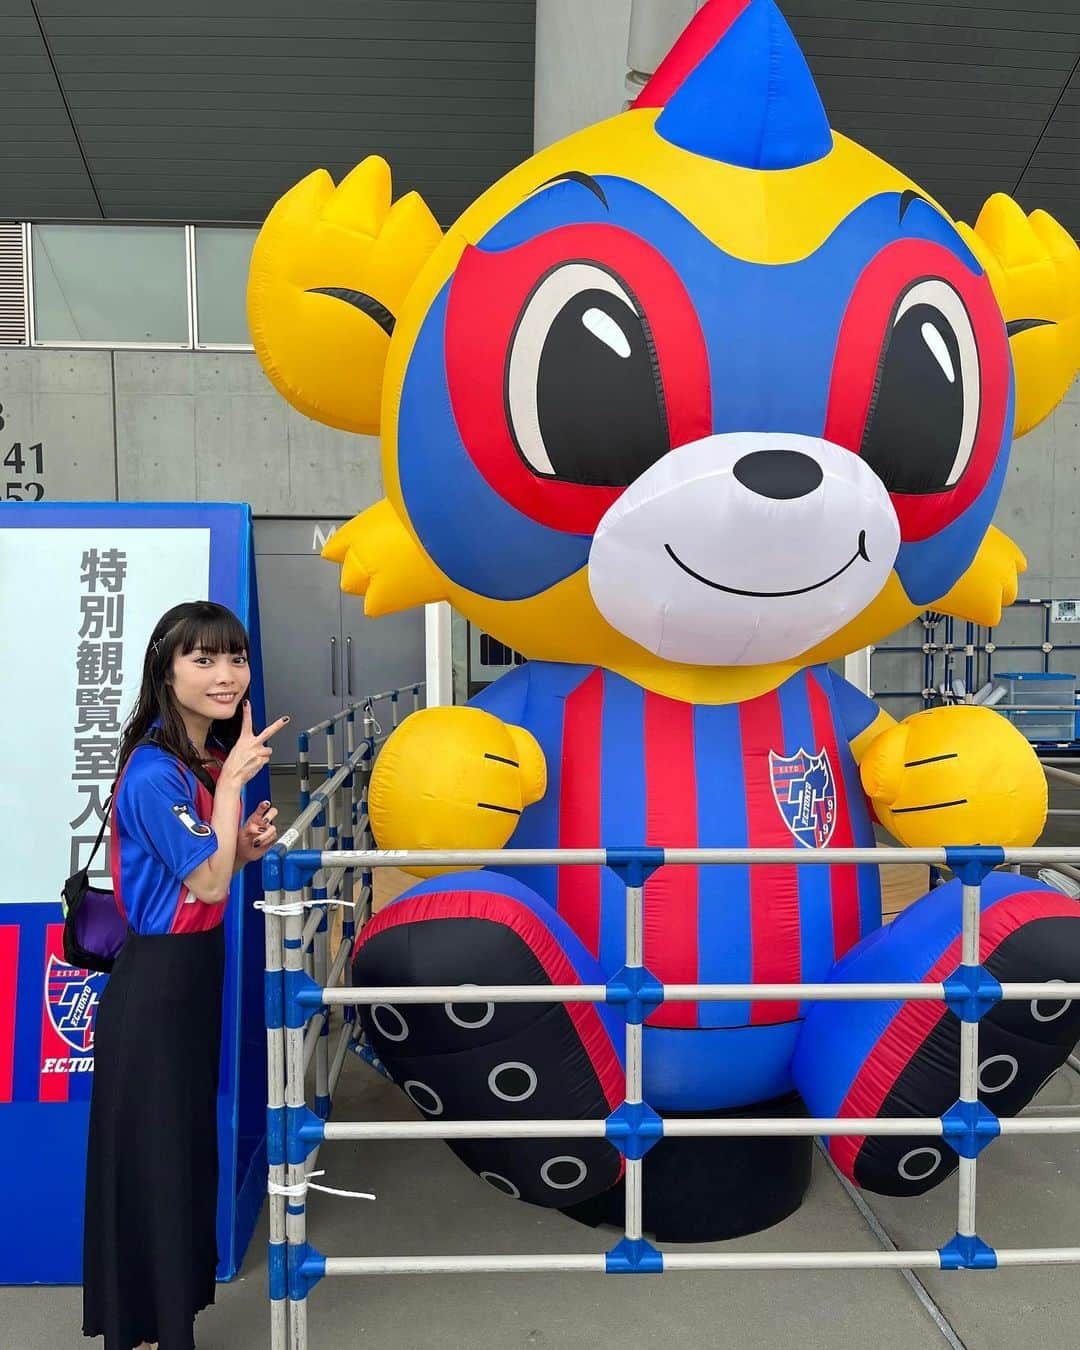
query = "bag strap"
{"x": 149, "y": 739}
{"x": 146, "y": 740}
{"x": 101, "y": 832}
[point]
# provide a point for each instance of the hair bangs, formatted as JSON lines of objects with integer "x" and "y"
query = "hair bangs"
{"x": 202, "y": 625}
{"x": 216, "y": 633}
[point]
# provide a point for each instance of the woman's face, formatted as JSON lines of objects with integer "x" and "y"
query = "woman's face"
{"x": 209, "y": 684}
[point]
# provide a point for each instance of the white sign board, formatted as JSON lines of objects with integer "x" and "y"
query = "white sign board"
{"x": 70, "y": 673}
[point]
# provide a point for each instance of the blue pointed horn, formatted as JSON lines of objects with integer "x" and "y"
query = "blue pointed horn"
{"x": 736, "y": 88}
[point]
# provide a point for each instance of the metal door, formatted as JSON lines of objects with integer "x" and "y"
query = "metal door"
{"x": 300, "y": 610}
{"x": 381, "y": 654}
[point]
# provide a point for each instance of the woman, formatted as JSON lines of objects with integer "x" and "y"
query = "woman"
{"x": 177, "y": 841}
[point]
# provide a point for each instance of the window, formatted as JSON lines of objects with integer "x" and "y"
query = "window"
{"x": 222, "y": 259}
{"x": 110, "y": 284}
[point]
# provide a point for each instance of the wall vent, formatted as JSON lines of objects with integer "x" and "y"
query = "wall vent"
{"x": 13, "y": 311}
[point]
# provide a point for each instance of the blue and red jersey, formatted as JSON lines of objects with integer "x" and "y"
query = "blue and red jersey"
{"x": 161, "y": 832}
{"x": 626, "y": 766}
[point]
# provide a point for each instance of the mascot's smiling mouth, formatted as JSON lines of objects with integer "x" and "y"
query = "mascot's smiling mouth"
{"x": 860, "y": 552}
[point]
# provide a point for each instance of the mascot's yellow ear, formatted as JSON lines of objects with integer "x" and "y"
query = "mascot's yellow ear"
{"x": 329, "y": 272}
{"x": 1033, "y": 265}
{"x": 990, "y": 583}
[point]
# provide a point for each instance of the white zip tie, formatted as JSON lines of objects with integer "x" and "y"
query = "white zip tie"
{"x": 299, "y": 906}
{"x": 286, "y": 911}
{"x": 301, "y": 1189}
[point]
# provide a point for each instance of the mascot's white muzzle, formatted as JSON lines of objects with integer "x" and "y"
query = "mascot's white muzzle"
{"x": 743, "y": 549}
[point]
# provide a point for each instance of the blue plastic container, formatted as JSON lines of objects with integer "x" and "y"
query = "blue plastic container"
{"x": 1032, "y": 688}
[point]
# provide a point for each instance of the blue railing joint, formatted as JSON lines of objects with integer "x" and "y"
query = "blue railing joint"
{"x": 273, "y": 999}
{"x": 969, "y": 1126}
{"x": 272, "y": 868}
{"x": 972, "y": 862}
{"x": 302, "y": 995}
{"x": 277, "y": 1268}
{"x": 637, "y": 990}
{"x": 634, "y": 866}
{"x": 306, "y": 1267}
{"x": 971, "y": 991}
{"x": 634, "y": 1256}
{"x": 275, "y": 1136}
{"x": 967, "y": 1252}
{"x": 634, "y": 1127}
{"x": 303, "y": 1131}
{"x": 299, "y": 867}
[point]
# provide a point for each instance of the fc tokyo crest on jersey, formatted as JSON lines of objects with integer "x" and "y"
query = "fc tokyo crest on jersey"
{"x": 805, "y": 792}
{"x": 72, "y": 996}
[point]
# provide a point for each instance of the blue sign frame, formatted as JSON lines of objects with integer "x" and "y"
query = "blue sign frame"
{"x": 44, "y": 1141}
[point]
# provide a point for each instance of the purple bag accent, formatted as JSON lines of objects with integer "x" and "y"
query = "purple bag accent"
{"x": 99, "y": 926}
{"x": 94, "y": 928}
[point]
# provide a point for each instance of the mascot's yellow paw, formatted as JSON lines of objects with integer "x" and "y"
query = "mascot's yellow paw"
{"x": 961, "y": 775}
{"x": 453, "y": 778}
{"x": 330, "y": 270}
{"x": 1033, "y": 265}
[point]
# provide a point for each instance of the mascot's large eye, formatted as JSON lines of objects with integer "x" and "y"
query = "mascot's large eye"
{"x": 583, "y": 392}
{"x": 925, "y": 410}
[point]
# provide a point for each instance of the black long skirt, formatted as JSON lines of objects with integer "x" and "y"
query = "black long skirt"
{"x": 150, "y": 1249}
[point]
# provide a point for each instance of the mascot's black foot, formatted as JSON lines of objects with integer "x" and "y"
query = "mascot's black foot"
{"x": 1021, "y": 1046}
{"x": 481, "y": 1061}
{"x": 894, "y": 1060}
{"x": 708, "y": 1190}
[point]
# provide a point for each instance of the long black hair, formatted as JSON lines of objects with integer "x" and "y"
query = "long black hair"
{"x": 198, "y": 623}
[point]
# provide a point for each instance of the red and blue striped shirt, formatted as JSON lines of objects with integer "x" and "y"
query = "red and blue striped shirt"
{"x": 630, "y": 767}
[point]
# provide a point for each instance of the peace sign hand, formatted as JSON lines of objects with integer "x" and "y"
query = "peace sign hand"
{"x": 250, "y": 753}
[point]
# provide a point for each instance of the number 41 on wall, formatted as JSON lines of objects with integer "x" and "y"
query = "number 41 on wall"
{"x": 21, "y": 490}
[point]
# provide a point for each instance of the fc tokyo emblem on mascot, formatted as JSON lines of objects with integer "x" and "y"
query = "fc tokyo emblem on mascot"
{"x": 685, "y": 409}
{"x": 804, "y": 792}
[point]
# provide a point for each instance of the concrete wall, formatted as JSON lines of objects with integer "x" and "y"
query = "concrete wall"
{"x": 1040, "y": 505}
{"x": 580, "y": 65}
{"x": 175, "y": 426}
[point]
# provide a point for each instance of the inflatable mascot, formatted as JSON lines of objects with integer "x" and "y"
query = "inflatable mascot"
{"x": 685, "y": 408}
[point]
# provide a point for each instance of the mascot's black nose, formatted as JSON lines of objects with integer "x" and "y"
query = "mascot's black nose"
{"x": 781, "y": 474}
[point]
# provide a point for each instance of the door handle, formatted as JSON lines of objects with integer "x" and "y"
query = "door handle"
{"x": 348, "y": 665}
{"x": 333, "y": 666}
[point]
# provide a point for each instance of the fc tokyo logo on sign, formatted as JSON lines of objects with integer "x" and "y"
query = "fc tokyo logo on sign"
{"x": 71, "y": 997}
{"x": 805, "y": 792}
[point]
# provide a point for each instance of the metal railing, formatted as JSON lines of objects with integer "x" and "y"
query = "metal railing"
{"x": 332, "y": 727}
{"x": 976, "y": 651}
{"x": 295, "y": 1133}
{"x": 334, "y": 818}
